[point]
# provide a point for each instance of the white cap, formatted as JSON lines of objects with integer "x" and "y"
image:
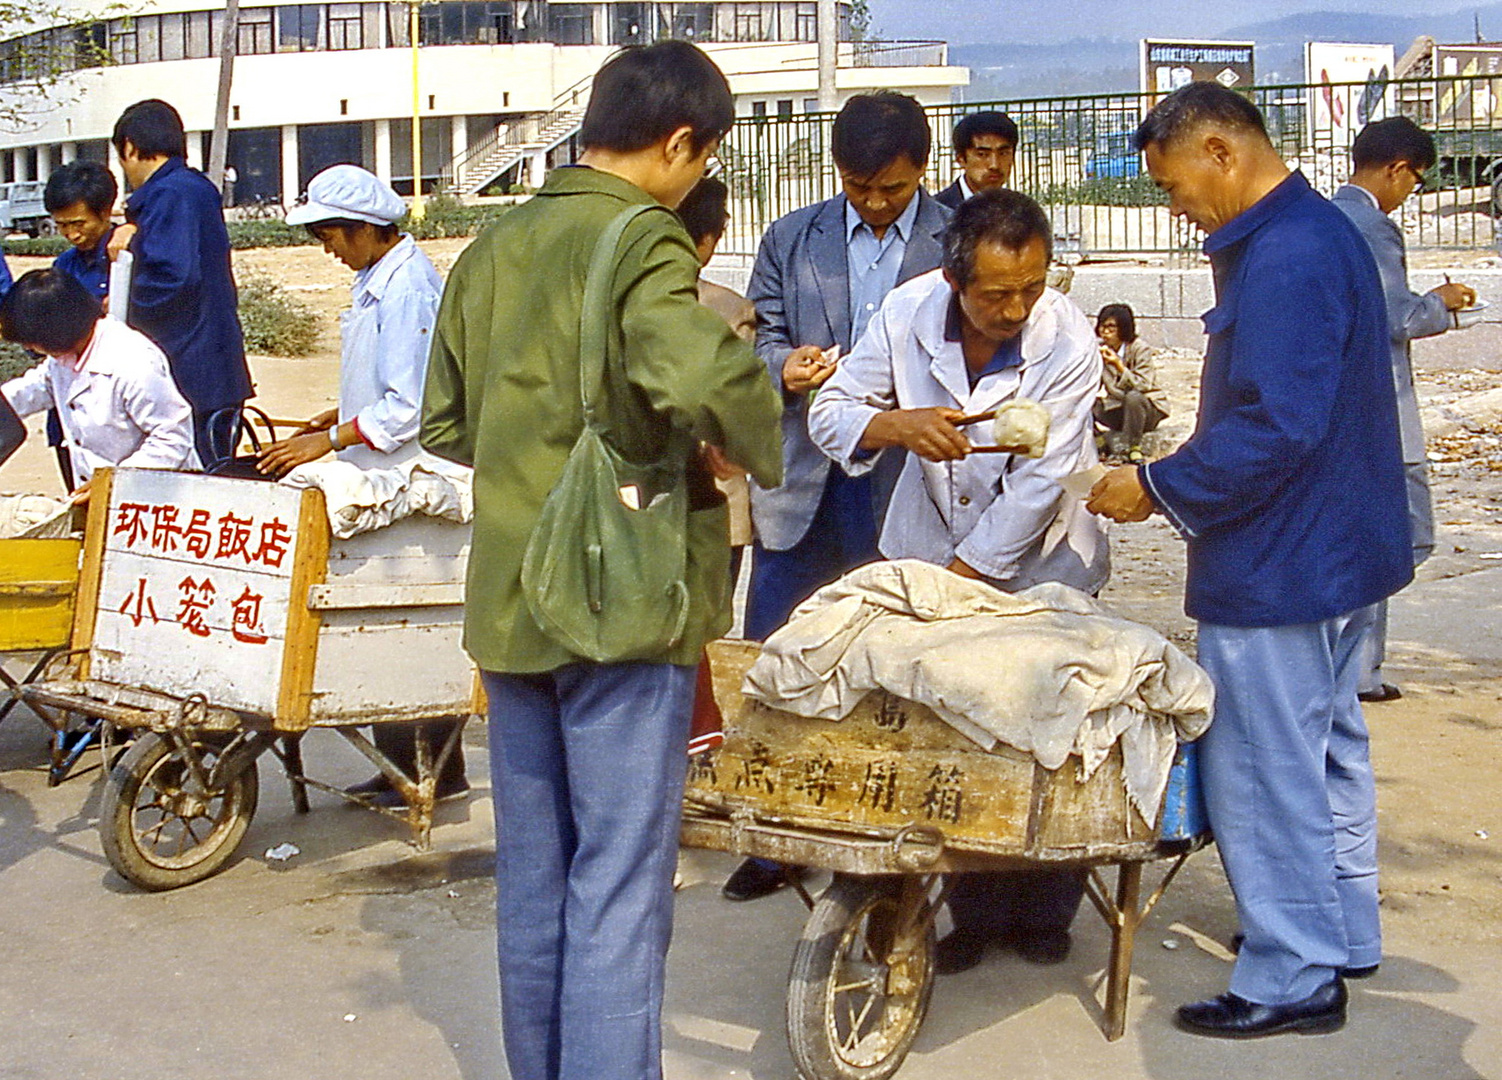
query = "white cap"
{"x": 349, "y": 192}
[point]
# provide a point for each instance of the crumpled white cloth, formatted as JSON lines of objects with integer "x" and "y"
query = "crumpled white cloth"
{"x": 1047, "y": 670}
{"x": 34, "y": 517}
{"x": 360, "y": 500}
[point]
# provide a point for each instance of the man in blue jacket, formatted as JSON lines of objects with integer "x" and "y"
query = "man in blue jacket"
{"x": 182, "y": 290}
{"x": 1390, "y": 157}
{"x": 1291, "y": 495}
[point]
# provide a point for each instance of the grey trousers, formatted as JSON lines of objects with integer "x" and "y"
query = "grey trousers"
{"x": 1421, "y": 522}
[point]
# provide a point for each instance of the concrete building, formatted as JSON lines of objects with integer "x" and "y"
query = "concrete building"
{"x": 501, "y": 84}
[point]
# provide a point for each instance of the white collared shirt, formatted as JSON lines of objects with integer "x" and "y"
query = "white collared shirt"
{"x": 873, "y": 265}
{"x": 1004, "y": 515}
{"x": 120, "y": 407}
{"x": 384, "y": 342}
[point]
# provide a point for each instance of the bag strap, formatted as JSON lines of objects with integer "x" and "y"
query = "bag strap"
{"x": 594, "y": 316}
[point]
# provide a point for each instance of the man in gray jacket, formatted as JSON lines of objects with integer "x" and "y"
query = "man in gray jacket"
{"x": 1389, "y": 158}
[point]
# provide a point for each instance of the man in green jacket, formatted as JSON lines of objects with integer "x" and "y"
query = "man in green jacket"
{"x": 588, "y": 759}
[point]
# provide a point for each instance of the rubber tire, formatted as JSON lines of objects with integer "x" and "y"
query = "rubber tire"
{"x": 117, "y": 832}
{"x": 810, "y": 983}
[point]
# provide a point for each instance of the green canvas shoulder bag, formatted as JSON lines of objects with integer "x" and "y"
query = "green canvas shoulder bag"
{"x": 604, "y": 568}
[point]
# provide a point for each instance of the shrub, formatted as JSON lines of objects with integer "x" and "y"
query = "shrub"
{"x": 36, "y": 245}
{"x": 276, "y": 323}
{"x": 444, "y": 215}
{"x": 13, "y": 360}
{"x": 265, "y": 233}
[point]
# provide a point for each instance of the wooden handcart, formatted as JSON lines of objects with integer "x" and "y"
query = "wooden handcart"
{"x": 38, "y": 584}
{"x": 895, "y": 801}
{"x": 216, "y": 620}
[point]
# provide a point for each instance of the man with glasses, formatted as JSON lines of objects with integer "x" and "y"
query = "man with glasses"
{"x": 1389, "y": 159}
{"x": 985, "y": 149}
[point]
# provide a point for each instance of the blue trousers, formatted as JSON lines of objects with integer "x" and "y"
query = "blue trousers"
{"x": 841, "y": 537}
{"x": 587, "y": 765}
{"x": 1289, "y": 790}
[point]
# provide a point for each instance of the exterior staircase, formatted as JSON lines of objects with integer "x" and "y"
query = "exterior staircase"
{"x": 515, "y": 142}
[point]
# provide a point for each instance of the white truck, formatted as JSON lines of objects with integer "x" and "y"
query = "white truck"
{"x": 21, "y": 208}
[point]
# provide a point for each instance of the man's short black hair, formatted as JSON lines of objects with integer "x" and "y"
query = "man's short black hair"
{"x": 1124, "y": 318}
{"x": 1395, "y": 139}
{"x": 983, "y": 123}
{"x": 386, "y": 232}
{"x": 86, "y": 182}
{"x": 703, "y": 209}
{"x": 1006, "y": 218}
{"x": 1192, "y": 105}
{"x": 874, "y": 130}
{"x": 154, "y": 128}
{"x": 50, "y": 310}
{"x": 646, "y": 92}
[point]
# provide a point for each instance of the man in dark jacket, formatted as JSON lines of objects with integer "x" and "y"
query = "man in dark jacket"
{"x": 182, "y": 290}
{"x": 1291, "y": 495}
{"x": 985, "y": 149}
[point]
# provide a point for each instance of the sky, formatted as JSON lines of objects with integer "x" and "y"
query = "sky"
{"x": 973, "y": 21}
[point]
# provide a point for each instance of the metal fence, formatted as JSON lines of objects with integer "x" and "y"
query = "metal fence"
{"x": 1076, "y": 159}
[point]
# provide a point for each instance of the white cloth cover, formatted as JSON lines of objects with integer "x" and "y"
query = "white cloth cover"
{"x": 1048, "y": 670}
{"x": 360, "y": 500}
{"x": 34, "y": 517}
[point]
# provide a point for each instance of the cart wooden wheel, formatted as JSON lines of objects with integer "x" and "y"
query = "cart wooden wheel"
{"x": 862, "y": 975}
{"x": 161, "y": 825}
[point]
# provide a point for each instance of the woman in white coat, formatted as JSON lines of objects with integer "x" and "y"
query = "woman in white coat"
{"x": 110, "y": 385}
{"x": 383, "y": 362}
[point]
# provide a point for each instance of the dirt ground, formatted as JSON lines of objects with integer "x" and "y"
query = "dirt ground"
{"x": 1435, "y": 750}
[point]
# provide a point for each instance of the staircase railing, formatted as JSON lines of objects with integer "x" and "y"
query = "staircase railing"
{"x": 521, "y": 131}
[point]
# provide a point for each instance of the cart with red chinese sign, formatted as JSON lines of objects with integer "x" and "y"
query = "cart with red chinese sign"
{"x": 217, "y": 620}
{"x": 895, "y": 802}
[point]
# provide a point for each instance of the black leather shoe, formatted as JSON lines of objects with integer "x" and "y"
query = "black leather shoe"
{"x": 1232, "y": 1017}
{"x": 1041, "y": 948}
{"x": 960, "y": 951}
{"x": 1385, "y": 692}
{"x": 753, "y": 879}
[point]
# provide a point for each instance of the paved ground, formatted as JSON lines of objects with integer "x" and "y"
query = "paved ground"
{"x": 358, "y": 958}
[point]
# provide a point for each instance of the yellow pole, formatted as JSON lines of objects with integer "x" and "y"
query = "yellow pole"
{"x": 417, "y": 203}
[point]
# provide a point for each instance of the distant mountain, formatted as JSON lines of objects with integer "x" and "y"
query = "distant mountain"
{"x": 1004, "y": 70}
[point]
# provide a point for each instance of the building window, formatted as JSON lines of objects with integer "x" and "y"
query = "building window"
{"x": 480, "y": 22}
{"x": 806, "y": 23}
{"x": 174, "y": 37}
{"x": 692, "y": 22}
{"x": 398, "y": 26}
{"x": 571, "y": 24}
{"x": 200, "y": 41}
{"x": 148, "y": 38}
{"x": 123, "y": 41}
{"x": 346, "y": 27}
{"x": 759, "y": 110}
{"x": 299, "y": 28}
{"x": 253, "y": 35}
{"x": 629, "y": 24}
{"x": 785, "y": 109}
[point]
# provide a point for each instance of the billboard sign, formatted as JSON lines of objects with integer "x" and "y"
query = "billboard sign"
{"x": 1474, "y": 102}
{"x": 1168, "y": 65}
{"x": 1337, "y": 112}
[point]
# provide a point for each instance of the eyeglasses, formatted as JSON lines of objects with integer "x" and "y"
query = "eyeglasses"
{"x": 713, "y": 167}
{"x": 1418, "y": 175}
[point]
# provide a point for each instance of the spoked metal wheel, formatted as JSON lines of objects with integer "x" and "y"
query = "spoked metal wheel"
{"x": 174, "y": 812}
{"x": 862, "y": 976}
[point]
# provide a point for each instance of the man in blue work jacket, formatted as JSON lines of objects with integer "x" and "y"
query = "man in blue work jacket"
{"x": 1291, "y": 495}
{"x": 182, "y": 290}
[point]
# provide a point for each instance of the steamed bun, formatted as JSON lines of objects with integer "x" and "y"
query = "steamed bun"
{"x": 1023, "y": 423}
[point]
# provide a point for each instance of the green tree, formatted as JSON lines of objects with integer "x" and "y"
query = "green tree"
{"x": 41, "y": 44}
